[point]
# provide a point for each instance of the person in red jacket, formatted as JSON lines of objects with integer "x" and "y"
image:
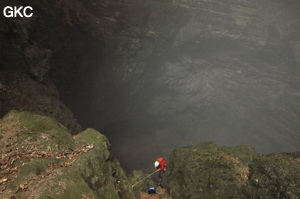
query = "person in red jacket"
{"x": 160, "y": 164}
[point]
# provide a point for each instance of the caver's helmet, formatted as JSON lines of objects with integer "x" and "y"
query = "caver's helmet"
{"x": 151, "y": 190}
{"x": 156, "y": 164}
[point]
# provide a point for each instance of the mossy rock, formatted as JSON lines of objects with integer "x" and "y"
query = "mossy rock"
{"x": 34, "y": 126}
{"x": 67, "y": 185}
{"x": 99, "y": 141}
{"x": 41, "y": 124}
{"x": 274, "y": 176}
{"x": 79, "y": 167}
{"x": 141, "y": 182}
{"x": 31, "y": 169}
{"x": 209, "y": 171}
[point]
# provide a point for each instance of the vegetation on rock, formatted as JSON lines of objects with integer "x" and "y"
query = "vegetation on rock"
{"x": 40, "y": 159}
{"x": 211, "y": 171}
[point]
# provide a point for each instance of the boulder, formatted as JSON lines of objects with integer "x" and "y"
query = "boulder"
{"x": 40, "y": 159}
{"x": 211, "y": 171}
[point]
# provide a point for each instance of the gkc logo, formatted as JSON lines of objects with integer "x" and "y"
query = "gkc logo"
{"x": 15, "y": 11}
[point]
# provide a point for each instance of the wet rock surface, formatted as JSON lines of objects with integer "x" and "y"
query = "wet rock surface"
{"x": 211, "y": 171}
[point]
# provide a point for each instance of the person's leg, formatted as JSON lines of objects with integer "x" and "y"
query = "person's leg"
{"x": 159, "y": 178}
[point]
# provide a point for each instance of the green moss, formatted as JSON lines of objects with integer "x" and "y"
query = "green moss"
{"x": 46, "y": 197}
{"x": 94, "y": 173}
{"x": 35, "y": 125}
{"x": 274, "y": 176}
{"x": 67, "y": 185}
{"x": 208, "y": 170}
{"x": 98, "y": 140}
{"x": 32, "y": 168}
{"x": 141, "y": 186}
{"x": 211, "y": 171}
{"x": 76, "y": 187}
{"x": 91, "y": 136}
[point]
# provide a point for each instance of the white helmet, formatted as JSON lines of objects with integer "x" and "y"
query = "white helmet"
{"x": 156, "y": 164}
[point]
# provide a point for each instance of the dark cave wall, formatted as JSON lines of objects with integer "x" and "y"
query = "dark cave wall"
{"x": 41, "y": 52}
{"x": 64, "y": 47}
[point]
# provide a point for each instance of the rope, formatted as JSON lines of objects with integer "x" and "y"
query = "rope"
{"x": 144, "y": 179}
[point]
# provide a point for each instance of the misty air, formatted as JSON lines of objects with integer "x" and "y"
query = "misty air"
{"x": 212, "y": 86}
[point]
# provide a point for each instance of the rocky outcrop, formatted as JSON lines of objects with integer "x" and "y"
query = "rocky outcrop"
{"x": 212, "y": 171}
{"x": 40, "y": 159}
{"x": 274, "y": 176}
{"x": 19, "y": 91}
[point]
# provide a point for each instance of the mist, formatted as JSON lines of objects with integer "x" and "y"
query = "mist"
{"x": 177, "y": 73}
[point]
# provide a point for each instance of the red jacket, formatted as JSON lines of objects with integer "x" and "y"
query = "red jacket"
{"x": 162, "y": 163}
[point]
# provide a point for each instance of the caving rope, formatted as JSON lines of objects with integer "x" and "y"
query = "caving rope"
{"x": 144, "y": 179}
